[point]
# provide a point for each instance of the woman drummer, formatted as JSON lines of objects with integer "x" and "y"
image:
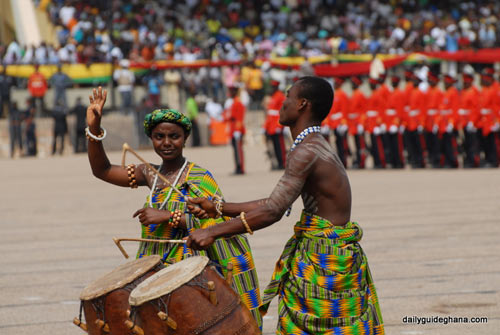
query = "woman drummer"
{"x": 165, "y": 214}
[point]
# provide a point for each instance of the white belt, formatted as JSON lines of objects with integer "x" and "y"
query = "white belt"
{"x": 431, "y": 112}
{"x": 414, "y": 112}
{"x": 390, "y": 112}
{"x": 273, "y": 112}
{"x": 352, "y": 116}
{"x": 336, "y": 116}
{"x": 463, "y": 111}
{"x": 371, "y": 113}
{"x": 485, "y": 111}
{"x": 445, "y": 111}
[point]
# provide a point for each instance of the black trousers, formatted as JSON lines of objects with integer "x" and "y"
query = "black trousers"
{"x": 395, "y": 150}
{"x": 341, "y": 145}
{"x": 489, "y": 147}
{"x": 279, "y": 149}
{"x": 359, "y": 156}
{"x": 239, "y": 161}
{"x": 449, "y": 149}
{"x": 433, "y": 148}
{"x": 471, "y": 150}
{"x": 415, "y": 150}
{"x": 377, "y": 151}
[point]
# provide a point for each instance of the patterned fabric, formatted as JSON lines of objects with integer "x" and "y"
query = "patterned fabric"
{"x": 200, "y": 183}
{"x": 166, "y": 115}
{"x": 324, "y": 282}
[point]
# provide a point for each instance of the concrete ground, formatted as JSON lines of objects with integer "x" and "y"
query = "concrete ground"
{"x": 431, "y": 238}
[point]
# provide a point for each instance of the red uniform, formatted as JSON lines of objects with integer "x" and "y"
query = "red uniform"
{"x": 434, "y": 99}
{"x": 37, "y": 85}
{"x": 236, "y": 117}
{"x": 469, "y": 108}
{"x": 357, "y": 108}
{"x": 417, "y": 108}
{"x": 338, "y": 112}
{"x": 394, "y": 111}
{"x": 488, "y": 109}
{"x": 271, "y": 124}
{"x": 448, "y": 109}
{"x": 374, "y": 107}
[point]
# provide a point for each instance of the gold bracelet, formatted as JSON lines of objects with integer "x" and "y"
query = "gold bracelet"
{"x": 175, "y": 218}
{"x": 245, "y": 223}
{"x": 132, "y": 182}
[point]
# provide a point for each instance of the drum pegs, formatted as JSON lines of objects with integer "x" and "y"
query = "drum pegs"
{"x": 102, "y": 325}
{"x": 229, "y": 274}
{"x": 134, "y": 328}
{"x": 170, "y": 322}
{"x": 80, "y": 324}
{"x": 211, "y": 293}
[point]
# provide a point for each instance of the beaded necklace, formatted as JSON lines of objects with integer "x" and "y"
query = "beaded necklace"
{"x": 298, "y": 140}
{"x": 171, "y": 189}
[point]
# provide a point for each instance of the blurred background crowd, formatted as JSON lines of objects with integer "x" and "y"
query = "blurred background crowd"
{"x": 200, "y": 56}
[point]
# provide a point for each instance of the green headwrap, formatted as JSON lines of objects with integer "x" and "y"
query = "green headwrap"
{"x": 166, "y": 115}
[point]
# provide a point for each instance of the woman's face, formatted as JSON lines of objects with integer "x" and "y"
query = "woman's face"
{"x": 168, "y": 140}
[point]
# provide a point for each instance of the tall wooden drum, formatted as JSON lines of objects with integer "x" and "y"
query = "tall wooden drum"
{"x": 189, "y": 297}
{"x": 105, "y": 301}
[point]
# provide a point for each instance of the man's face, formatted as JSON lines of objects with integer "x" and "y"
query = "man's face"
{"x": 289, "y": 112}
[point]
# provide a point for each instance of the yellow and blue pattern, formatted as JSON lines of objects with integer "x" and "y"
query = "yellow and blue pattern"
{"x": 324, "y": 282}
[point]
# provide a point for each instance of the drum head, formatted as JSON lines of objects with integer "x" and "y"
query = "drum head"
{"x": 119, "y": 277}
{"x": 168, "y": 279}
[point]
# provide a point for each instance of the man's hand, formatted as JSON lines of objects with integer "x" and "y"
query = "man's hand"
{"x": 94, "y": 111}
{"x": 150, "y": 215}
{"x": 200, "y": 239}
{"x": 205, "y": 208}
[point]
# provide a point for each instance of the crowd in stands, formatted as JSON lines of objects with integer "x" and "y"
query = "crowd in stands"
{"x": 145, "y": 30}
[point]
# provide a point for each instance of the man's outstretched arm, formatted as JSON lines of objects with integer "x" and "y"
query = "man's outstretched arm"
{"x": 267, "y": 211}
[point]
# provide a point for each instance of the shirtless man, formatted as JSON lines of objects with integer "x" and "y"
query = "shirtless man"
{"x": 322, "y": 278}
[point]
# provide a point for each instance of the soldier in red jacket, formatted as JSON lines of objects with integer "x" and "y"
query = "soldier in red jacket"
{"x": 375, "y": 106}
{"x": 273, "y": 129}
{"x": 355, "y": 122}
{"x": 414, "y": 124}
{"x": 431, "y": 128}
{"x": 235, "y": 115}
{"x": 488, "y": 123}
{"x": 468, "y": 121}
{"x": 447, "y": 123}
{"x": 392, "y": 121}
{"x": 37, "y": 86}
{"x": 337, "y": 120}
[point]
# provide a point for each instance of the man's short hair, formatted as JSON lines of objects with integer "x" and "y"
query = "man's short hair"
{"x": 319, "y": 92}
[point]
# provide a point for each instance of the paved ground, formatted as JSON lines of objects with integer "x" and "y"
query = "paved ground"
{"x": 431, "y": 238}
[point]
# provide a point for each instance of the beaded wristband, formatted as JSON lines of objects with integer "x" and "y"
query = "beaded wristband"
{"x": 245, "y": 223}
{"x": 219, "y": 206}
{"x": 94, "y": 138}
{"x": 132, "y": 182}
{"x": 175, "y": 218}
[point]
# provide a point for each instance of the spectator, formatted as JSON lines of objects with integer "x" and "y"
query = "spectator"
{"x": 37, "y": 86}
{"x": 80, "y": 112}
{"x": 143, "y": 108}
{"x": 16, "y": 138}
{"x": 173, "y": 79}
{"x": 30, "y": 128}
{"x": 192, "y": 114}
{"x": 6, "y": 83}
{"x": 59, "y": 82}
{"x": 60, "y": 127}
{"x": 153, "y": 83}
{"x": 125, "y": 80}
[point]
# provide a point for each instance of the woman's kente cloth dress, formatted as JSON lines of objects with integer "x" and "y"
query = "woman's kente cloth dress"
{"x": 324, "y": 282}
{"x": 199, "y": 182}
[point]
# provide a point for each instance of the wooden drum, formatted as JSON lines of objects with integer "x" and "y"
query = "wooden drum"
{"x": 189, "y": 297}
{"x": 105, "y": 301}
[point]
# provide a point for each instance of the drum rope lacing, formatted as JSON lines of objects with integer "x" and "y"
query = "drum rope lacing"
{"x": 98, "y": 305}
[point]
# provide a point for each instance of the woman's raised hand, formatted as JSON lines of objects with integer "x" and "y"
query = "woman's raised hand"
{"x": 202, "y": 208}
{"x": 94, "y": 111}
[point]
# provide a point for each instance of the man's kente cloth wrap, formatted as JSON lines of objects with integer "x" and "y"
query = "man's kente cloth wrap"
{"x": 199, "y": 182}
{"x": 324, "y": 282}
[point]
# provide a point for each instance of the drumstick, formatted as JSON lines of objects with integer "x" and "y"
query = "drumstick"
{"x": 127, "y": 147}
{"x": 118, "y": 242}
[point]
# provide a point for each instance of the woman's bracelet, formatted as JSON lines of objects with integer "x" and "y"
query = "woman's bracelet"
{"x": 132, "y": 182}
{"x": 94, "y": 138}
{"x": 175, "y": 218}
{"x": 245, "y": 223}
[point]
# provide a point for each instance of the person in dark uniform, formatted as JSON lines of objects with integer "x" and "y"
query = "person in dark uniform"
{"x": 81, "y": 121}
{"x": 16, "y": 138}
{"x": 30, "y": 128}
{"x": 60, "y": 126}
